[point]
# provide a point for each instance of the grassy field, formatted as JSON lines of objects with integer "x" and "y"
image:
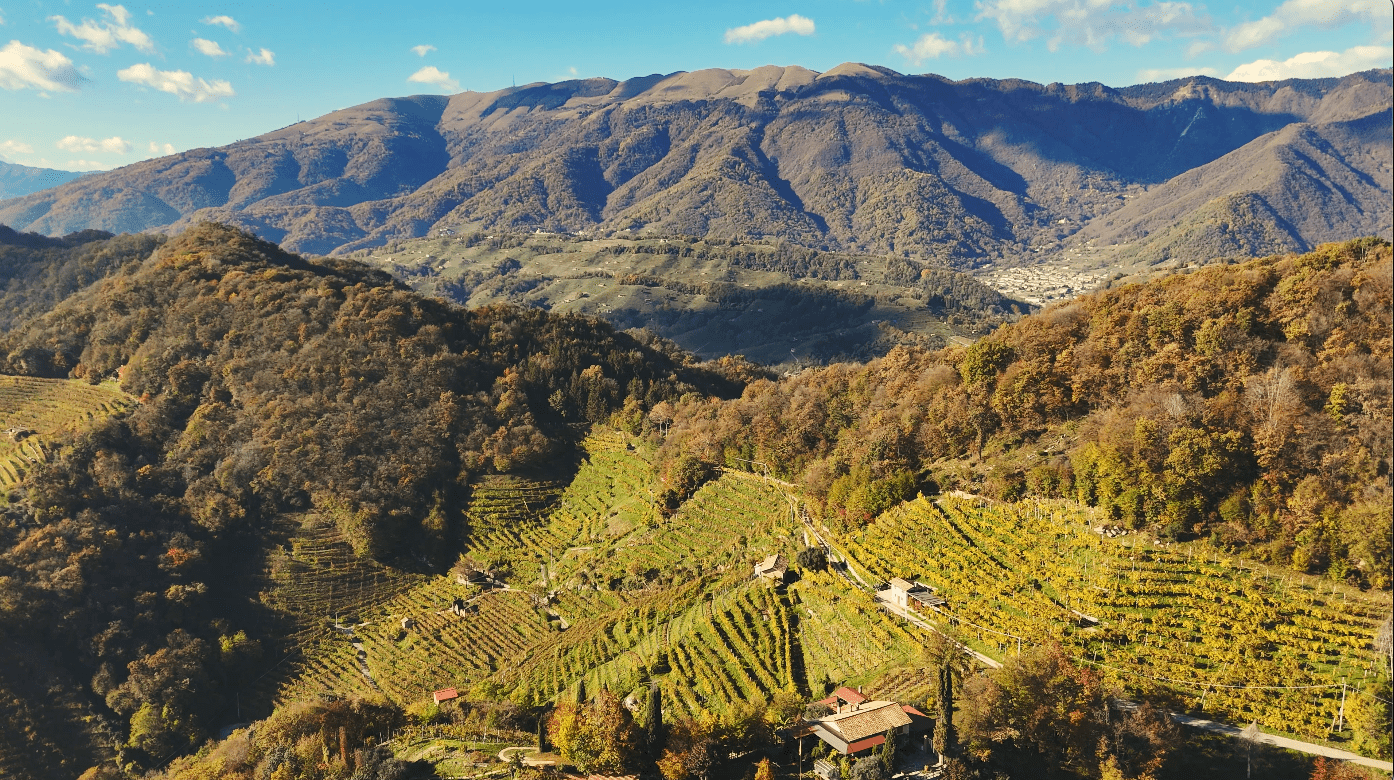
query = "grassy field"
{"x": 1185, "y": 619}
{"x": 35, "y": 413}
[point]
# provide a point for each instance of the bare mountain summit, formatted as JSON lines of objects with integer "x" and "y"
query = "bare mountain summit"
{"x": 859, "y": 159}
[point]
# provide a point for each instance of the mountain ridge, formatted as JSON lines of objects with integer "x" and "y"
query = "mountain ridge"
{"x": 858, "y": 158}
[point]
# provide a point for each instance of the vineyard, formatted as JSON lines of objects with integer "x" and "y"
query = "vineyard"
{"x": 1184, "y": 619}
{"x": 627, "y": 597}
{"x": 34, "y": 412}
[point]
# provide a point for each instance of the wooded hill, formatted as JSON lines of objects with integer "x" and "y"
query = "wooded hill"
{"x": 857, "y": 158}
{"x": 266, "y": 384}
{"x": 1248, "y": 404}
{"x": 775, "y": 303}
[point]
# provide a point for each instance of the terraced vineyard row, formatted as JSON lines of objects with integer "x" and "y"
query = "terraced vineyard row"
{"x": 845, "y": 638}
{"x": 523, "y": 524}
{"x": 1171, "y": 614}
{"x": 317, "y": 578}
{"x": 33, "y": 412}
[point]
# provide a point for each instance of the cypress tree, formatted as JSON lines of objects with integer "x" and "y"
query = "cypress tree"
{"x": 655, "y": 719}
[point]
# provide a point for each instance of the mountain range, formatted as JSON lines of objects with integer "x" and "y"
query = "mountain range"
{"x": 857, "y": 159}
{"x": 17, "y": 180}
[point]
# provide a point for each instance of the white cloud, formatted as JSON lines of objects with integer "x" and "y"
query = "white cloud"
{"x": 106, "y": 35}
{"x": 941, "y": 14}
{"x": 423, "y": 49}
{"x": 225, "y": 21}
{"x": 207, "y": 47}
{"x": 25, "y": 67}
{"x": 932, "y": 46}
{"x": 263, "y": 57}
{"x": 88, "y": 165}
{"x": 112, "y": 145}
{"x": 161, "y": 148}
{"x": 1153, "y": 75}
{"x": 177, "y": 82}
{"x": 1092, "y": 23}
{"x": 12, "y": 147}
{"x": 572, "y": 70}
{"x": 767, "y": 28}
{"x": 1295, "y": 14}
{"x": 433, "y": 75}
{"x": 1315, "y": 64}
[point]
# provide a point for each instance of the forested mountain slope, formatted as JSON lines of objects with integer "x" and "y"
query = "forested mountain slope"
{"x": 20, "y": 180}
{"x": 1247, "y": 404}
{"x": 266, "y": 384}
{"x": 773, "y": 302}
{"x": 36, "y": 272}
{"x": 857, "y": 159}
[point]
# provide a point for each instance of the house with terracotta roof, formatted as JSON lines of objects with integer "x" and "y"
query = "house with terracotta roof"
{"x": 858, "y": 727}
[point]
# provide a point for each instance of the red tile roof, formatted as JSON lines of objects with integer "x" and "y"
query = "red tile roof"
{"x": 848, "y": 695}
{"x": 445, "y": 694}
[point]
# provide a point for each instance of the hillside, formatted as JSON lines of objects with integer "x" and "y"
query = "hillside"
{"x": 859, "y": 159}
{"x": 1180, "y": 484}
{"x": 773, "y": 303}
{"x": 1210, "y": 404}
{"x": 19, "y": 180}
{"x": 35, "y": 414}
{"x": 1285, "y": 191}
{"x": 37, "y": 272}
{"x": 268, "y": 386}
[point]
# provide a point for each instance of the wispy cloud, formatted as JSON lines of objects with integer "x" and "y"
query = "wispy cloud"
{"x": 25, "y": 67}
{"x": 1298, "y": 14}
{"x": 435, "y": 76}
{"x": 103, "y": 36}
{"x": 156, "y": 148}
{"x": 12, "y": 147}
{"x": 1152, "y": 75}
{"x": 223, "y": 21}
{"x": 769, "y": 28}
{"x": 423, "y": 49}
{"x": 263, "y": 57}
{"x": 1093, "y": 23}
{"x": 1315, "y": 64}
{"x": 88, "y": 165}
{"x": 932, "y": 46}
{"x": 207, "y": 47}
{"x": 180, "y": 83}
{"x": 77, "y": 143}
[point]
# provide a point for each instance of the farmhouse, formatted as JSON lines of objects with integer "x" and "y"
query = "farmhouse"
{"x": 913, "y": 595}
{"x": 772, "y": 568}
{"x": 856, "y": 728}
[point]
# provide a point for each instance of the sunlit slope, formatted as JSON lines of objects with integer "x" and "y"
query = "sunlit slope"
{"x": 602, "y": 589}
{"x": 36, "y": 412}
{"x": 1185, "y": 618}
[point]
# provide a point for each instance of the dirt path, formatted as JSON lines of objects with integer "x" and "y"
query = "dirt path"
{"x": 361, "y": 654}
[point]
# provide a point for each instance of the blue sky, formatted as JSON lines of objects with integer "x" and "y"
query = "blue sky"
{"x": 88, "y": 86}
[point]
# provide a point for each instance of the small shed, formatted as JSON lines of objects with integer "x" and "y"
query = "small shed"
{"x": 408, "y": 624}
{"x": 445, "y": 694}
{"x": 772, "y": 567}
{"x": 913, "y": 595}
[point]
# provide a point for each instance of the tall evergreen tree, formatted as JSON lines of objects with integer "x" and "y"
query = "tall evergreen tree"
{"x": 654, "y": 720}
{"x": 944, "y": 730}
